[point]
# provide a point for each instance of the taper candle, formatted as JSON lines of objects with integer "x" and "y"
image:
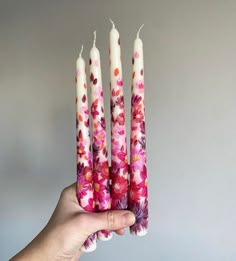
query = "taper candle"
{"x": 84, "y": 155}
{"x": 100, "y": 155}
{"x": 138, "y": 201}
{"x": 119, "y": 162}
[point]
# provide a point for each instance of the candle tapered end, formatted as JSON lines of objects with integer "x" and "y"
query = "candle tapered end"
{"x": 140, "y": 30}
{"x": 94, "y": 39}
{"x": 113, "y": 25}
{"x": 82, "y": 47}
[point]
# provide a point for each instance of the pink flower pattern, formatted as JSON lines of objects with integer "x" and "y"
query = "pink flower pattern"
{"x": 119, "y": 161}
{"x": 100, "y": 155}
{"x": 138, "y": 192}
{"x": 85, "y": 188}
{"x": 94, "y": 191}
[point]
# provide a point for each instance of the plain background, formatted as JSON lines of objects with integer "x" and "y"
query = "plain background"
{"x": 190, "y": 65}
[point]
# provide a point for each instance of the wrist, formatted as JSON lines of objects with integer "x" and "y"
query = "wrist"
{"x": 38, "y": 249}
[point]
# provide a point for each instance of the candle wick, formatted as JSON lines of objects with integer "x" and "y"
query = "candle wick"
{"x": 82, "y": 47}
{"x": 139, "y": 30}
{"x": 94, "y": 39}
{"x": 113, "y": 25}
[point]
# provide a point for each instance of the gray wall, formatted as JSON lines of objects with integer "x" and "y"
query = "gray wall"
{"x": 190, "y": 63}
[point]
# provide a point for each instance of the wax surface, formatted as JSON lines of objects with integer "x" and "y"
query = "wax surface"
{"x": 100, "y": 155}
{"x": 138, "y": 202}
{"x": 85, "y": 191}
{"x": 119, "y": 162}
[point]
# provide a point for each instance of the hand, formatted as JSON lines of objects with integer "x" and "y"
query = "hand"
{"x": 69, "y": 227}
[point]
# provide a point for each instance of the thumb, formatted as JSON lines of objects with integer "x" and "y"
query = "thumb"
{"x": 109, "y": 220}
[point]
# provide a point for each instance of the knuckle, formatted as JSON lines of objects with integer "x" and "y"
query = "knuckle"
{"x": 64, "y": 192}
{"x": 110, "y": 220}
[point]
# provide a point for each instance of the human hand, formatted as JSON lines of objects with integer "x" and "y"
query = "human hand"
{"x": 68, "y": 228}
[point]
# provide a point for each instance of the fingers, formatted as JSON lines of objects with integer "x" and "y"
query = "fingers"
{"x": 110, "y": 220}
{"x": 120, "y": 231}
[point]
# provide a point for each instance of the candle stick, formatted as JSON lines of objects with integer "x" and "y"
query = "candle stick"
{"x": 138, "y": 202}
{"x": 100, "y": 156}
{"x": 119, "y": 163}
{"x": 84, "y": 156}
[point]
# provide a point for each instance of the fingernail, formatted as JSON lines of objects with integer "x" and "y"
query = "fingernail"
{"x": 128, "y": 219}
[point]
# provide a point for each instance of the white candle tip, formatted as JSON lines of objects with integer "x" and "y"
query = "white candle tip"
{"x": 140, "y": 30}
{"x": 82, "y": 47}
{"x": 94, "y": 39}
{"x": 113, "y": 25}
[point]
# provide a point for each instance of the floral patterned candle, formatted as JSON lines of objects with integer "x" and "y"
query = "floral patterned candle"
{"x": 119, "y": 164}
{"x": 84, "y": 156}
{"x": 100, "y": 158}
{"x": 138, "y": 202}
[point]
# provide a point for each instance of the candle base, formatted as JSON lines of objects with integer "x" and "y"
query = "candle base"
{"x": 90, "y": 244}
{"x": 91, "y": 248}
{"x": 104, "y": 235}
{"x": 140, "y": 233}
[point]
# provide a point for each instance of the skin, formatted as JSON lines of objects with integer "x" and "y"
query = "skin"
{"x": 68, "y": 228}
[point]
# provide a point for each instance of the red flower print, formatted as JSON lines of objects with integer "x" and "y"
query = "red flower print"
{"x": 140, "y": 85}
{"x": 90, "y": 206}
{"x": 84, "y": 180}
{"x": 119, "y": 186}
{"x": 103, "y": 123}
{"x": 95, "y": 81}
{"x": 106, "y": 233}
{"x": 134, "y": 126}
{"x": 103, "y": 170}
{"x": 135, "y": 100}
{"x": 134, "y": 192}
{"x": 119, "y": 130}
{"x": 94, "y": 107}
{"x": 119, "y": 82}
{"x": 138, "y": 115}
{"x": 143, "y": 173}
{"x": 91, "y": 77}
{"x": 120, "y": 101}
{"x": 86, "y": 123}
{"x": 84, "y": 98}
{"x": 116, "y": 71}
{"x": 121, "y": 203}
{"x": 114, "y": 168}
{"x": 80, "y": 150}
{"x": 115, "y": 147}
{"x": 122, "y": 155}
{"x": 99, "y": 136}
{"x": 120, "y": 118}
{"x": 138, "y": 159}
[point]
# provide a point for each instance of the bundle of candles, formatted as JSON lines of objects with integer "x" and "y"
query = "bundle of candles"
{"x": 120, "y": 186}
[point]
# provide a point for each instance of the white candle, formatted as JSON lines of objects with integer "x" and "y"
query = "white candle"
{"x": 138, "y": 202}
{"x": 100, "y": 156}
{"x": 119, "y": 163}
{"x": 84, "y": 156}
